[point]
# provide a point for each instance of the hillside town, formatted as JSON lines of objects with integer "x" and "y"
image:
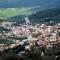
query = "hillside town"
{"x": 28, "y": 35}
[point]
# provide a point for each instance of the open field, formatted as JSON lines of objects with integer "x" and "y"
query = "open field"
{"x": 10, "y": 12}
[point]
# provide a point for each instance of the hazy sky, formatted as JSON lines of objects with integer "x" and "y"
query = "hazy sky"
{"x": 17, "y": 3}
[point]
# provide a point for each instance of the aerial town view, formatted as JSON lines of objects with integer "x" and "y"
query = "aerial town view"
{"x": 30, "y": 30}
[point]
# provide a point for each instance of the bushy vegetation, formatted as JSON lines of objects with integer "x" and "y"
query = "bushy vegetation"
{"x": 6, "y": 41}
{"x": 20, "y": 38}
{"x": 35, "y": 35}
{"x": 4, "y": 29}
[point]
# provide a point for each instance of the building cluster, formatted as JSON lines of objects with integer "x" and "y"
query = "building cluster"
{"x": 40, "y": 34}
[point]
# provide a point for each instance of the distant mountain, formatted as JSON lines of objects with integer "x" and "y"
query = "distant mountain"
{"x": 46, "y": 15}
{"x": 10, "y": 8}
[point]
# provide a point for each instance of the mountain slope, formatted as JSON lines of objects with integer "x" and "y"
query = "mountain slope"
{"x": 46, "y": 15}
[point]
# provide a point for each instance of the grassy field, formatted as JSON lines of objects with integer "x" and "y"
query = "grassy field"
{"x": 10, "y": 12}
